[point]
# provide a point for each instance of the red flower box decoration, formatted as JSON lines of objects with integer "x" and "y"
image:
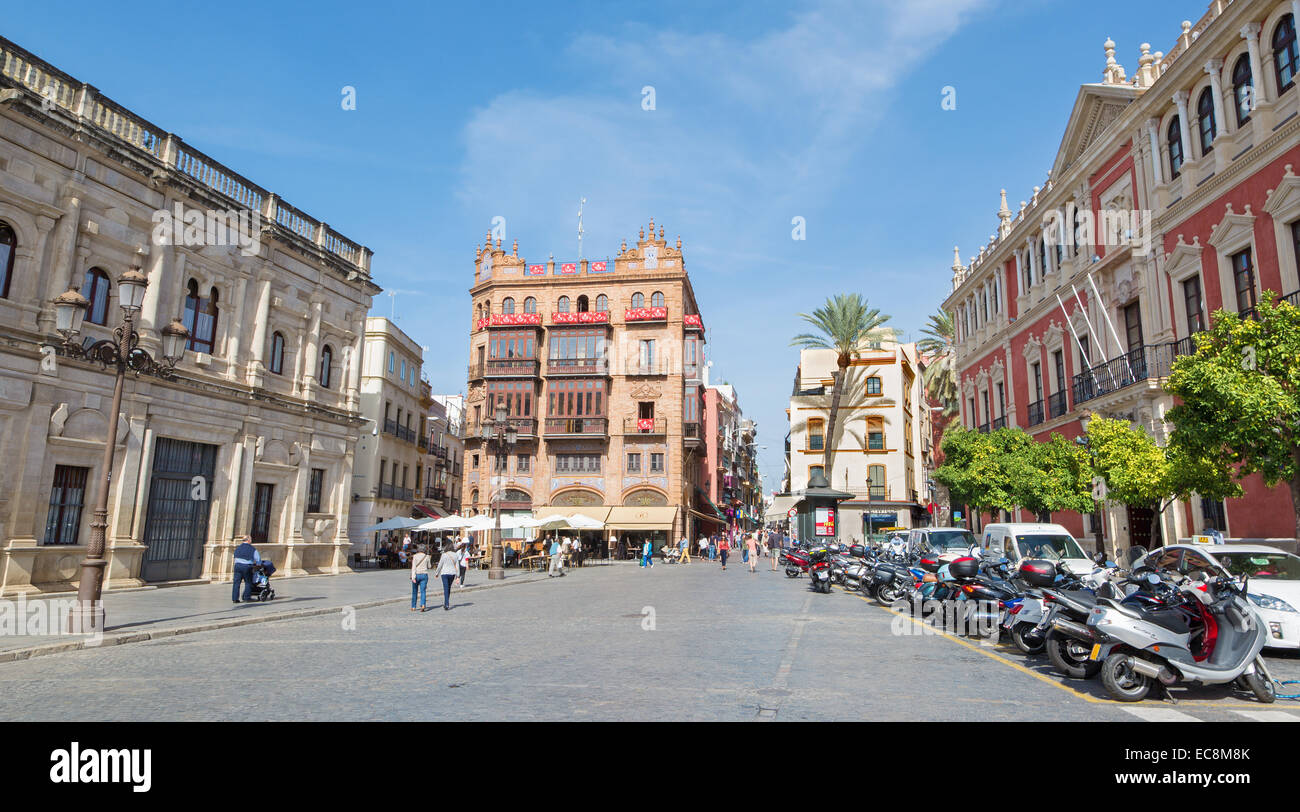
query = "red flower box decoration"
{"x": 693, "y": 321}
{"x": 536, "y": 270}
{"x": 645, "y": 424}
{"x": 646, "y": 314}
{"x": 515, "y": 319}
{"x": 590, "y": 317}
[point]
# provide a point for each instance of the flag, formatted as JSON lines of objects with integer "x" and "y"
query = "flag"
{"x": 569, "y": 267}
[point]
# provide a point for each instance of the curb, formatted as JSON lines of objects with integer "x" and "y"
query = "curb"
{"x": 14, "y": 655}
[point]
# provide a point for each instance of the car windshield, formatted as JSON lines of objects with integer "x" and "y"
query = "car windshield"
{"x": 1277, "y": 566}
{"x": 951, "y": 539}
{"x": 1053, "y": 547}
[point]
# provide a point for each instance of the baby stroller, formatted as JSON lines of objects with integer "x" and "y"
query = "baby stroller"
{"x": 262, "y": 572}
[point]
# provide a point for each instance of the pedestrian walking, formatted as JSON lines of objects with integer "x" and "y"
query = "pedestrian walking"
{"x": 557, "y": 565}
{"x": 685, "y": 547}
{"x": 774, "y": 550}
{"x": 723, "y": 546}
{"x": 419, "y": 577}
{"x": 751, "y": 550}
{"x": 462, "y": 558}
{"x": 448, "y": 568}
{"x": 246, "y": 558}
{"x": 646, "y": 550}
{"x": 713, "y": 549}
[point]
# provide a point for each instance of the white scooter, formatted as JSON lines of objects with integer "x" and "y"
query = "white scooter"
{"x": 1138, "y": 645}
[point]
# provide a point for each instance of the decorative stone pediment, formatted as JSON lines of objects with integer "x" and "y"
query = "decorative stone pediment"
{"x": 645, "y": 392}
{"x": 982, "y": 379}
{"x": 996, "y": 369}
{"x": 1055, "y": 333}
{"x": 968, "y": 386}
{"x": 1233, "y": 231}
{"x": 1185, "y": 259}
{"x": 1283, "y": 203}
{"x": 1033, "y": 348}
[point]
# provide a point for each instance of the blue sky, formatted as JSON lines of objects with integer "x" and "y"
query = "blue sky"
{"x": 828, "y": 111}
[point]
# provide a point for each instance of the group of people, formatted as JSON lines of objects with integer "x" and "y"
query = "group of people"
{"x": 718, "y": 547}
{"x": 451, "y": 566}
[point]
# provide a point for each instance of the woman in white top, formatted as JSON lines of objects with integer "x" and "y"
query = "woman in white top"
{"x": 419, "y": 576}
{"x": 448, "y": 569}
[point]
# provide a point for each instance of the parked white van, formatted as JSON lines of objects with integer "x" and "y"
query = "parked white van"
{"x": 1018, "y": 541}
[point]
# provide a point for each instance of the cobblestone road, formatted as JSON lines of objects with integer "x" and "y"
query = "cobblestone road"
{"x": 723, "y": 646}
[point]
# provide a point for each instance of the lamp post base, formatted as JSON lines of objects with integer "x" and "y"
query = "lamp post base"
{"x": 497, "y": 571}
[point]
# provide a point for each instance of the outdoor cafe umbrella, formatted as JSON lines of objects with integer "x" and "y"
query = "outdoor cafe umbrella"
{"x": 395, "y": 523}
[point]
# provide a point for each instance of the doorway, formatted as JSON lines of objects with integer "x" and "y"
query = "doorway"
{"x": 176, "y": 524}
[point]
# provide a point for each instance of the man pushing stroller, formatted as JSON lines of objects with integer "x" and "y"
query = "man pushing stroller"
{"x": 253, "y": 572}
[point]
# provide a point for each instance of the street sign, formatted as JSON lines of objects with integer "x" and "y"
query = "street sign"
{"x": 792, "y": 512}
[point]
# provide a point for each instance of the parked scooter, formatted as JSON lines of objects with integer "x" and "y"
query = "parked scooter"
{"x": 819, "y": 569}
{"x": 1205, "y": 633}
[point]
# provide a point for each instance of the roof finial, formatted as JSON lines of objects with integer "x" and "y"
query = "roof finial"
{"x": 956, "y": 259}
{"x": 1114, "y": 73}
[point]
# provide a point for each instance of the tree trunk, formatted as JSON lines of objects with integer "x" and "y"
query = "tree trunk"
{"x": 943, "y": 509}
{"x": 827, "y": 456}
{"x": 1295, "y": 499}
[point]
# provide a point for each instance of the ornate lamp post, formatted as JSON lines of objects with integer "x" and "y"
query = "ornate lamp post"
{"x": 498, "y": 437}
{"x": 123, "y": 353}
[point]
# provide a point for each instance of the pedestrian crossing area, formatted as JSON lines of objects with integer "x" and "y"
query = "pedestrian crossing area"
{"x": 1152, "y": 714}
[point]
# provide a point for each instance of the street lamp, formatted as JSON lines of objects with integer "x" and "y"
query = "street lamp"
{"x": 502, "y": 434}
{"x": 123, "y": 353}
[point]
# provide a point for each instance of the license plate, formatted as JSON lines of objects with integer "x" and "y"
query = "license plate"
{"x": 1096, "y": 651}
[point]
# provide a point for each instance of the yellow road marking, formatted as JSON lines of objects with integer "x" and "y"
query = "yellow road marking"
{"x": 1040, "y": 677}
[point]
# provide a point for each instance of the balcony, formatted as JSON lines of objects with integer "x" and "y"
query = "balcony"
{"x": 1035, "y": 413}
{"x": 877, "y": 492}
{"x": 655, "y": 366}
{"x": 998, "y": 423}
{"x": 1149, "y": 362}
{"x": 643, "y": 314}
{"x": 577, "y": 427}
{"x": 512, "y": 368}
{"x": 439, "y": 451}
{"x": 509, "y": 320}
{"x": 524, "y": 426}
{"x": 391, "y": 491}
{"x": 693, "y": 433}
{"x": 984, "y": 428}
{"x": 587, "y": 317}
{"x": 398, "y": 431}
{"x": 588, "y": 367}
{"x": 1292, "y": 298}
{"x": 1056, "y": 405}
{"x": 475, "y": 371}
{"x": 649, "y": 426}
{"x": 424, "y": 443}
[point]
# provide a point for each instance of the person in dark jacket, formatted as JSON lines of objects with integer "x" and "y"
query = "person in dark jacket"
{"x": 246, "y": 557}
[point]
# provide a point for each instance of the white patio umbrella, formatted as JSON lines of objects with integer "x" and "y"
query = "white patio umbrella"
{"x": 579, "y": 522}
{"x": 452, "y": 522}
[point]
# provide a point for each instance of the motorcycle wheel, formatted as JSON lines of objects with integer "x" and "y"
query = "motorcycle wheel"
{"x": 1027, "y": 644}
{"x": 1261, "y": 685}
{"x": 1121, "y": 681}
{"x": 791, "y": 573}
{"x": 1073, "y": 664}
{"x": 867, "y": 589}
{"x": 886, "y": 594}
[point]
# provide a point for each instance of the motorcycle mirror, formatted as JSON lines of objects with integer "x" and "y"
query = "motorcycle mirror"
{"x": 1152, "y": 578}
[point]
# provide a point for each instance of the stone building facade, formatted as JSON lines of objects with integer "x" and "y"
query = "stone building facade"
{"x": 599, "y": 366}
{"x": 1174, "y": 194}
{"x": 880, "y": 451}
{"x": 262, "y": 414}
{"x": 387, "y": 474}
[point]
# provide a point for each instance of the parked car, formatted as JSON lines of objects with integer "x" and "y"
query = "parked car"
{"x": 953, "y": 541}
{"x": 1018, "y": 541}
{"x": 1272, "y": 576}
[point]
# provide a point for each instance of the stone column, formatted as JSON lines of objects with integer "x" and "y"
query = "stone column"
{"x": 1157, "y": 166}
{"x": 354, "y": 370}
{"x": 239, "y": 325}
{"x": 312, "y": 348}
{"x": 256, "y": 367}
{"x": 1184, "y": 124}
{"x": 1214, "y": 67}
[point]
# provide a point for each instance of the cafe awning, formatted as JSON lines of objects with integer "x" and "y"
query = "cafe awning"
{"x": 706, "y": 517}
{"x": 780, "y": 507}
{"x": 625, "y": 517}
{"x": 597, "y": 512}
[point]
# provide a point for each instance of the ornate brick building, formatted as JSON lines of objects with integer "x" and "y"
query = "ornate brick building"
{"x": 1174, "y": 194}
{"x": 598, "y": 366}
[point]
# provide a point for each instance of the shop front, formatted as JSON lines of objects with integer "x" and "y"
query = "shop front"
{"x": 629, "y": 527}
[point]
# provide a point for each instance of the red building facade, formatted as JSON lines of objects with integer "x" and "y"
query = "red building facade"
{"x": 1174, "y": 193}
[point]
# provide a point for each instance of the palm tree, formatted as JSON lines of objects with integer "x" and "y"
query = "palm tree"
{"x": 843, "y": 324}
{"x": 941, "y": 373}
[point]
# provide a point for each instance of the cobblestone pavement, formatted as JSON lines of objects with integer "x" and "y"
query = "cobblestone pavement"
{"x": 609, "y": 643}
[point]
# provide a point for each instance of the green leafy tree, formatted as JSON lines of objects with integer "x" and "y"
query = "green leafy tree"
{"x": 844, "y": 324}
{"x": 940, "y": 376}
{"x": 1140, "y": 473}
{"x": 1055, "y": 476}
{"x": 1240, "y": 396}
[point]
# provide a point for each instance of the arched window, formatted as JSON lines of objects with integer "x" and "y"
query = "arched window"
{"x": 277, "y": 353}
{"x": 508, "y": 305}
{"x": 326, "y": 361}
{"x": 1284, "y": 53}
{"x": 582, "y": 304}
{"x": 95, "y": 288}
{"x": 530, "y": 305}
{"x": 656, "y": 299}
{"x": 1243, "y": 89}
{"x": 563, "y": 305}
{"x": 602, "y": 303}
{"x": 1205, "y": 120}
{"x": 201, "y": 318}
{"x": 1174, "y": 137}
{"x": 8, "y": 246}
{"x": 638, "y": 300}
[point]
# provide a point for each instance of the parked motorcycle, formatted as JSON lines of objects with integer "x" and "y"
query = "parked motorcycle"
{"x": 1207, "y": 633}
{"x": 819, "y": 569}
